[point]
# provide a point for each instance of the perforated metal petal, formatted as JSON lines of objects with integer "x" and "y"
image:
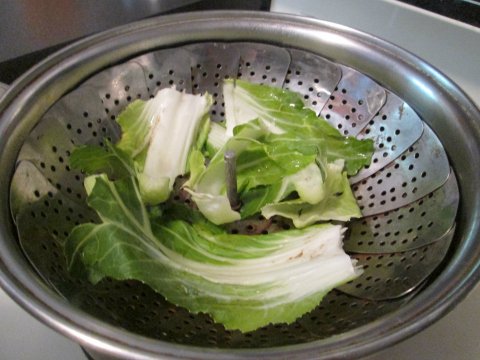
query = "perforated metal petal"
{"x": 44, "y": 217}
{"x": 166, "y": 68}
{"x": 394, "y": 129}
{"x": 118, "y": 86}
{"x": 28, "y": 185}
{"x": 355, "y": 101}
{"x": 417, "y": 224}
{"x": 263, "y": 63}
{"x": 137, "y": 308}
{"x": 420, "y": 170}
{"x": 48, "y": 147}
{"x": 391, "y": 275}
{"x": 211, "y": 63}
{"x": 342, "y": 311}
{"x": 313, "y": 77}
{"x": 45, "y": 254}
{"x": 56, "y": 214}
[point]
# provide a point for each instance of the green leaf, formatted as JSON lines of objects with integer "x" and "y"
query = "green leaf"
{"x": 216, "y": 139}
{"x": 215, "y": 208}
{"x": 260, "y": 162}
{"x": 265, "y": 163}
{"x": 136, "y": 128}
{"x": 282, "y": 113}
{"x": 159, "y": 135}
{"x": 196, "y": 165}
{"x": 96, "y": 159}
{"x": 337, "y": 204}
{"x": 355, "y": 153}
{"x": 307, "y": 183}
{"x": 254, "y": 200}
{"x": 277, "y": 109}
{"x": 208, "y": 188}
{"x": 243, "y": 282}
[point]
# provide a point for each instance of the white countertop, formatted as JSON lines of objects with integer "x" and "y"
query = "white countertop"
{"x": 454, "y": 49}
{"x": 450, "y": 45}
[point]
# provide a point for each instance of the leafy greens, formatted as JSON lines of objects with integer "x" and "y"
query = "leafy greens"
{"x": 243, "y": 281}
{"x": 282, "y": 147}
{"x": 158, "y": 136}
{"x": 289, "y": 163}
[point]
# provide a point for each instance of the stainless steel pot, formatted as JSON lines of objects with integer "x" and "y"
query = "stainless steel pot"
{"x": 441, "y": 105}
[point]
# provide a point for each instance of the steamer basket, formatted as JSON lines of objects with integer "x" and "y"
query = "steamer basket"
{"x": 417, "y": 240}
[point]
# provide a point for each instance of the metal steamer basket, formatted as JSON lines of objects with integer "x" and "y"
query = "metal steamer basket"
{"x": 417, "y": 240}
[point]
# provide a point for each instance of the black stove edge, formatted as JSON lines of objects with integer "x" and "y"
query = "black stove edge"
{"x": 467, "y": 11}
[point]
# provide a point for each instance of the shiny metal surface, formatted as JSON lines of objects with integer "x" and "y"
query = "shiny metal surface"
{"x": 275, "y": 61}
{"x": 434, "y": 300}
{"x": 210, "y": 64}
{"x": 408, "y": 227}
{"x": 421, "y": 169}
{"x": 354, "y": 102}
{"x": 231, "y": 179}
{"x": 312, "y": 76}
{"x": 112, "y": 90}
{"x": 393, "y": 129}
{"x": 3, "y": 88}
{"x": 392, "y": 275}
{"x": 48, "y": 151}
{"x": 167, "y": 67}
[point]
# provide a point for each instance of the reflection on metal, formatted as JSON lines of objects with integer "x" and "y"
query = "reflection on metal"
{"x": 394, "y": 274}
{"x": 408, "y": 227}
{"x": 313, "y": 77}
{"x": 393, "y": 129}
{"x": 231, "y": 179}
{"x": 421, "y": 169}
{"x": 354, "y": 102}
